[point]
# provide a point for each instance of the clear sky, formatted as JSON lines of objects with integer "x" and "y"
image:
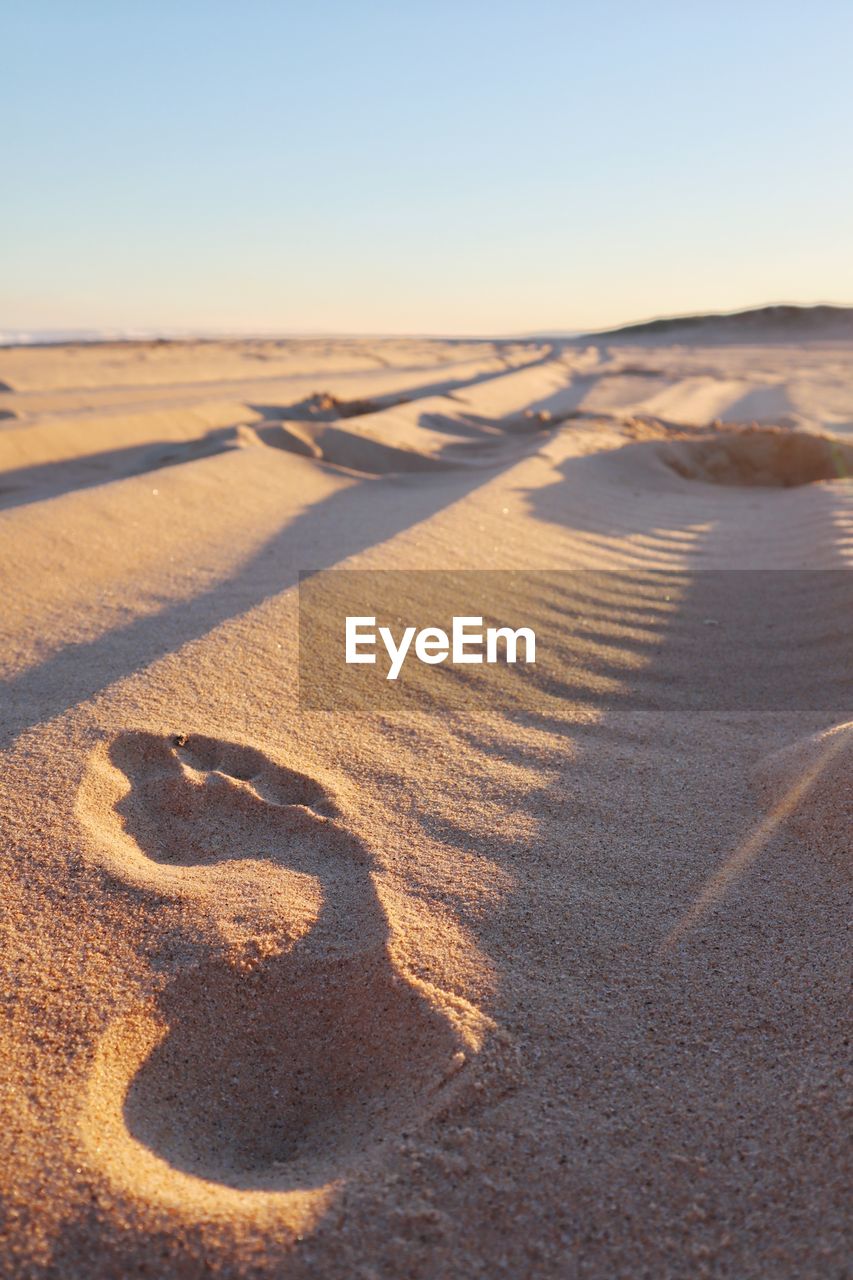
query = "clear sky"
{"x": 420, "y": 166}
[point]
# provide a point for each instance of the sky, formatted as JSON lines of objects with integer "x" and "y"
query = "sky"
{"x": 424, "y": 166}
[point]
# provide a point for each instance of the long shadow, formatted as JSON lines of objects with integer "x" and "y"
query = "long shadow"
{"x": 655, "y": 1044}
{"x": 235, "y": 387}
{"x": 302, "y": 410}
{"x": 637, "y": 815}
{"x": 715, "y": 635}
{"x": 52, "y": 479}
{"x": 740, "y": 640}
{"x": 25, "y": 485}
{"x": 341, "y": 525}
{"x": 79, "y": 671}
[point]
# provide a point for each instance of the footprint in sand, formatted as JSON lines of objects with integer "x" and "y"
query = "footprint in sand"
{"x": 281, "y": 1074}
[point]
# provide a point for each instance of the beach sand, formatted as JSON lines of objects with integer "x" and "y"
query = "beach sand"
{"x": 553, "y": 988}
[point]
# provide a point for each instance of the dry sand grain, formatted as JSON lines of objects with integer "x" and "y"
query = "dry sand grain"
{"x": 552, "y": 991}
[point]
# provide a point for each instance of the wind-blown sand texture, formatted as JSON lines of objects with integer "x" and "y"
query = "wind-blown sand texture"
{"x": 289, "y": 993}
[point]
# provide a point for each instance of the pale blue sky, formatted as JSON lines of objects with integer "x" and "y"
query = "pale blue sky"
{"x": 422, "y": 166}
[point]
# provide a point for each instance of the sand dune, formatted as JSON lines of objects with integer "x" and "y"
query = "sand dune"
{"x": 541, "y": 979}
{"x": 423, "y": 435}
{"x": 779, "y": 323}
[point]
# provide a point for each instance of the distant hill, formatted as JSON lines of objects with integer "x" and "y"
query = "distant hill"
{"x": 760, "y": 324}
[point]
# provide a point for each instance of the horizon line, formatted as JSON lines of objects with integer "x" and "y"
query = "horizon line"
{"x": 28, "y": 335}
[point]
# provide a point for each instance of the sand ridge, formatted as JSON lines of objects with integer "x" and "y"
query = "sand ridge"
{"x": 552, "y": 992}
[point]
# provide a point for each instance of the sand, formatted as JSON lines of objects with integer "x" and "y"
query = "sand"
{"x": 550, "y": 983}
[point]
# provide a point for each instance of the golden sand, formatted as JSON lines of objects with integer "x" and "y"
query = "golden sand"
{"x": 553, "y": 992}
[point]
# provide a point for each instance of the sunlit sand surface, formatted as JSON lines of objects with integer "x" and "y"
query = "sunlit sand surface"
{"x": 548, "y": 991}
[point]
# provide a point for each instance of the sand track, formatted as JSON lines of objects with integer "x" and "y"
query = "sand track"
{"x": 456, "y": 992}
